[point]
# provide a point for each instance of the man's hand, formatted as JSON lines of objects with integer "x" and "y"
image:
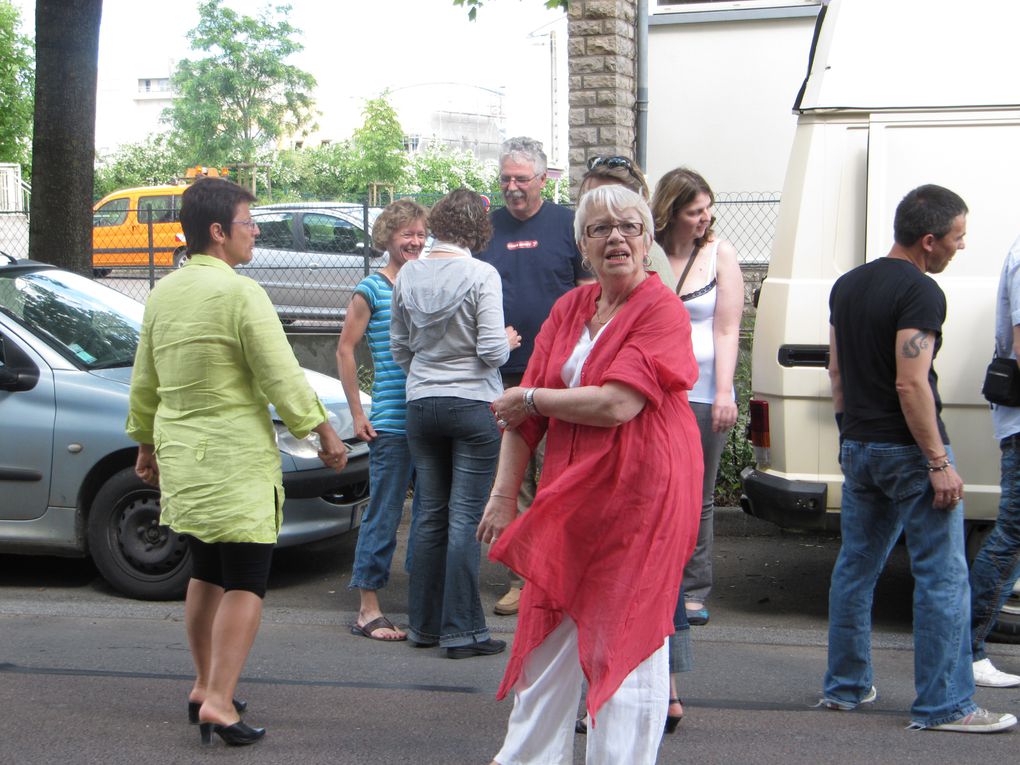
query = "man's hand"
{"x": 948, "y": 488}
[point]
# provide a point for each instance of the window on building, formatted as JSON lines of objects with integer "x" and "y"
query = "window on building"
{"x": 692, "y": 6}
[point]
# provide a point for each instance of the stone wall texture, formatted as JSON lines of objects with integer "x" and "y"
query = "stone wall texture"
{"x": 602, "y": 86}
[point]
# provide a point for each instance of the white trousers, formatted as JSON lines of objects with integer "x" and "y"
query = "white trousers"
{"x": 629, "y": 725}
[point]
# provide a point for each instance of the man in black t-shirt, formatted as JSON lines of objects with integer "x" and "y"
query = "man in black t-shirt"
{"x": 898, "y": 474}
{"x": 534, "y": 250}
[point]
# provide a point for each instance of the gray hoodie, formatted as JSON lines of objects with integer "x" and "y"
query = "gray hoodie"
{"x": 446, "y": 328}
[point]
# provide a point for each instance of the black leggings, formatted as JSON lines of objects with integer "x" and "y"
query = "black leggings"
{"x": 232, "y": 565}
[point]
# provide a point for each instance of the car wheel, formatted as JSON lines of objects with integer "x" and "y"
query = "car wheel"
{"x": 132, "y": 551}
{"x": 180, "y": 257}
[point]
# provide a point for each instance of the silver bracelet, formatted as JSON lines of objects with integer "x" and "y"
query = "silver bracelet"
{"x": 529, "y": 402}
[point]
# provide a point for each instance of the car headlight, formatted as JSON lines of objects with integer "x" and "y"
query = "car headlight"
{"x": 302, "y": 448}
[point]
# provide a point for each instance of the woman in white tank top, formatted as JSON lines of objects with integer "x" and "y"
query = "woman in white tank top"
{"x": 711, "y": 285}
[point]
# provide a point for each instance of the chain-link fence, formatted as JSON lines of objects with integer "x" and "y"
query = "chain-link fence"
{"x": 310, "y": 256}
{"x": 748, "y": 221}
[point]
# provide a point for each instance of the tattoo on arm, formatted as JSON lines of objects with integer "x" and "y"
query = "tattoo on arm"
{"x": 914, "y": 345}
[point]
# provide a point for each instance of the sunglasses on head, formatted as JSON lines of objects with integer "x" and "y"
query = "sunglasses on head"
{"x": 594, "y": 162}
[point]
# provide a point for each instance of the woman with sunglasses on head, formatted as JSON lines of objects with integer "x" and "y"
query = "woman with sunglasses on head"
{"x": 711, "y": 285}
{"x": 615, "y": 516}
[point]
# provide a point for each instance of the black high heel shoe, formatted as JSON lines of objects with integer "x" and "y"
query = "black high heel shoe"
{"x": 671, "y": 721}
{"x": 238, "y": 734}
{"x": 194, "y": 706}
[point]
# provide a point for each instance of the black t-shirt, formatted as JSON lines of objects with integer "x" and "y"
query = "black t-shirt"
{"x": 867, "y": 306}
{"x": 538, "y": 262}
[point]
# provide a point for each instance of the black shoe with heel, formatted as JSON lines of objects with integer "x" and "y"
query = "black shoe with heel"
{"x": 238, "y": 734}
{"x": 194, "y": 706}
{"x": 671, "y": 721}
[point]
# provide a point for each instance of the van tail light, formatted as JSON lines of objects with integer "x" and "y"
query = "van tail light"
{"x": 758, "y": 431}
{"x": 179, "y": 237}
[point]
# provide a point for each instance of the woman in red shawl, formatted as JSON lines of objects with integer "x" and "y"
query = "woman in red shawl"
{"x": 616, "y": 514}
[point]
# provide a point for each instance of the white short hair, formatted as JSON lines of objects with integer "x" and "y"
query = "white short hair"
{"x": 615, "y": 199}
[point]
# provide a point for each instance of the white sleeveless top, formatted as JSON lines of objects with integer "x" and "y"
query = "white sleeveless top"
{"x": 700, "y": 305}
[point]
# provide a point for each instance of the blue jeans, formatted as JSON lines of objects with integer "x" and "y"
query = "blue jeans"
{"x": 455, "y": 444}
{"x": 886, "y": 490}
{"x": 390, "y": 470}
{"x": 997, "y": 566}
{"x": 679, "y": 643}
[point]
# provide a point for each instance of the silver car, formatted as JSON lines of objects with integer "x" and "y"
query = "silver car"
{"x": 310, "y": 257}
{"x": 67, "y": 483}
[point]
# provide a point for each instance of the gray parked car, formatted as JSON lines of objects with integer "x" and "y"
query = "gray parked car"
{"x": 309, "y": 257}
{"x": 67, "y": 483}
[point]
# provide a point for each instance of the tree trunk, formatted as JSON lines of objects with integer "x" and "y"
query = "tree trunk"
{"x": 64, "y": 136}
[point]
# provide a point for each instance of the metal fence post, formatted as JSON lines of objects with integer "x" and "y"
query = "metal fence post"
{"x": 367, "y": 251}
{"x": 152, "y": 253}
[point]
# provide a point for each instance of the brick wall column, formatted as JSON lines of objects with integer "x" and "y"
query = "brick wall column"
{"x": 603, "y": 63}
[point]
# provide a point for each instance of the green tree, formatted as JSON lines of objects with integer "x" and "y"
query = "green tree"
{"x": 243, "y": 94}
{"x": 64, "y": 132}
{"x": 17, "y": 83}
{"x": 154, "y": 161}
{"x": 378, "y": 145}
{"x": 474, "y": 5}
{"x": 439, "y": 169}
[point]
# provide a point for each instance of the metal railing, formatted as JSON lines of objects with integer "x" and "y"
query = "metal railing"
{"x": 310, "y": 264}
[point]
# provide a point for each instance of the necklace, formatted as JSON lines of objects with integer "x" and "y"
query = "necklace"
{"x": 612, "y": 313}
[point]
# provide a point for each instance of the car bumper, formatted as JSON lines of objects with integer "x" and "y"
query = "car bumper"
{"x": 790, "y": 504}
{"x": 322, "y": 503}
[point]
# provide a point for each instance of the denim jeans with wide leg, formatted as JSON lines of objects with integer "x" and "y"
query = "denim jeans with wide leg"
{"x": 997, "y": 566}
{"x": 886, "y": 490}
{"x": 390, "y": 469}
{"x": 455, "y": 445}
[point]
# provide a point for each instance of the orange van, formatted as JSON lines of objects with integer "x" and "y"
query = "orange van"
{"x": 120, "y": 228}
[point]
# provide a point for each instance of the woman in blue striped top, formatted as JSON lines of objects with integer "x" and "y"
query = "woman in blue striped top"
{"x": 400, "y": 230}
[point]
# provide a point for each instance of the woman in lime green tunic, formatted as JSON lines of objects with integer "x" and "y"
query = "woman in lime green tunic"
{"x": 212, "y": 356}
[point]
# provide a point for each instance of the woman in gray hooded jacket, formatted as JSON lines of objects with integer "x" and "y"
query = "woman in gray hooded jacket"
{"x": 447, "y": 334}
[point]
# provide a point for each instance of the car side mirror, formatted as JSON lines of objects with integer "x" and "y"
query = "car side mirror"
{"x": 11, "y": 379}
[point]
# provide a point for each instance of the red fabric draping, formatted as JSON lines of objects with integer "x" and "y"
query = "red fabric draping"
{"x": 616, "y": 514}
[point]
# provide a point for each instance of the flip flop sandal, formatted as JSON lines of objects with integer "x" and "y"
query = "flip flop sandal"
{"x": 379, "y": 623}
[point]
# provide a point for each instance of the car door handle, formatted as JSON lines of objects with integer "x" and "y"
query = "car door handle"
{"x": 804, "y": 356}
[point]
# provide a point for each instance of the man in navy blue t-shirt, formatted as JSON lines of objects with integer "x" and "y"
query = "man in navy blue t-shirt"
{"x": 533, "y": 249}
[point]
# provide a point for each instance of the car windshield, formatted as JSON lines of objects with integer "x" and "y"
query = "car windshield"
{"x": 91, "y": 325}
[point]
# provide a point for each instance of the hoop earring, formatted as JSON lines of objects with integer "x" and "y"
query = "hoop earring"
{"x": 647, "y": 261}
{"x": 585, "y": 263}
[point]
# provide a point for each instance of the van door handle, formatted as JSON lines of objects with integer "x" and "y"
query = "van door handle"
{"x": 816, "y": 356}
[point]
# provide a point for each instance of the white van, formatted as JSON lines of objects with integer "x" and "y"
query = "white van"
{"x": 897, "y": 94}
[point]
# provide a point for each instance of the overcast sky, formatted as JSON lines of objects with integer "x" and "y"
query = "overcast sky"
{"x": 356, "y": 49}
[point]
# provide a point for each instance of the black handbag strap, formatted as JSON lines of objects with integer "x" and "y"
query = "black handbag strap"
{"x": 687, "y": 270}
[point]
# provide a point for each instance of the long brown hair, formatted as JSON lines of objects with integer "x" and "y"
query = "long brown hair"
{"x": 674, "y": 191}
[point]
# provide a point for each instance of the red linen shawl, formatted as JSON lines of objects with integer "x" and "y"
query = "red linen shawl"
{"x": 617, "y": 509}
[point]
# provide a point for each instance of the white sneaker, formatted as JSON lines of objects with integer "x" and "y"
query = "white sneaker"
{"x": 978, "y": 721}
{"x": 842, "y": 706}
{"x": 988, "y": 676}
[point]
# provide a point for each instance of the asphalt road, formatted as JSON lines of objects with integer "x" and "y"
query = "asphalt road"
{"x": 87, "y": 676}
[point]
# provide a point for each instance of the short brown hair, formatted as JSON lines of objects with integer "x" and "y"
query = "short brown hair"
{"x": 208, "y": 201}
{"x": 461, "y": 218}
{"x": 396, "y": 216}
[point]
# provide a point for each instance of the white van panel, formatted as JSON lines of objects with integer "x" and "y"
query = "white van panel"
{"x": 914, "y": 54}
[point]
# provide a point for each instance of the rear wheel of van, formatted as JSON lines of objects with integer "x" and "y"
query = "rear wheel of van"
{"x": 132, "y": 551}
{"x": 180, "y": 257}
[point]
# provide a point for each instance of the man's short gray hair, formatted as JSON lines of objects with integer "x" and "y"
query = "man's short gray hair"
{"x": 524, "y": 149}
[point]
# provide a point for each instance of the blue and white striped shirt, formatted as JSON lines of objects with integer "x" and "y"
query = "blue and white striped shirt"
{"x": 389, "y": 407}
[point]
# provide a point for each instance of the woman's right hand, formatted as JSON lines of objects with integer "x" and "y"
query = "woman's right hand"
{"x": 513, "y": 337}
{"x": 500, "y": 511}
{"x": 363, "y": 428}
{"x": 333, "y": 451}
